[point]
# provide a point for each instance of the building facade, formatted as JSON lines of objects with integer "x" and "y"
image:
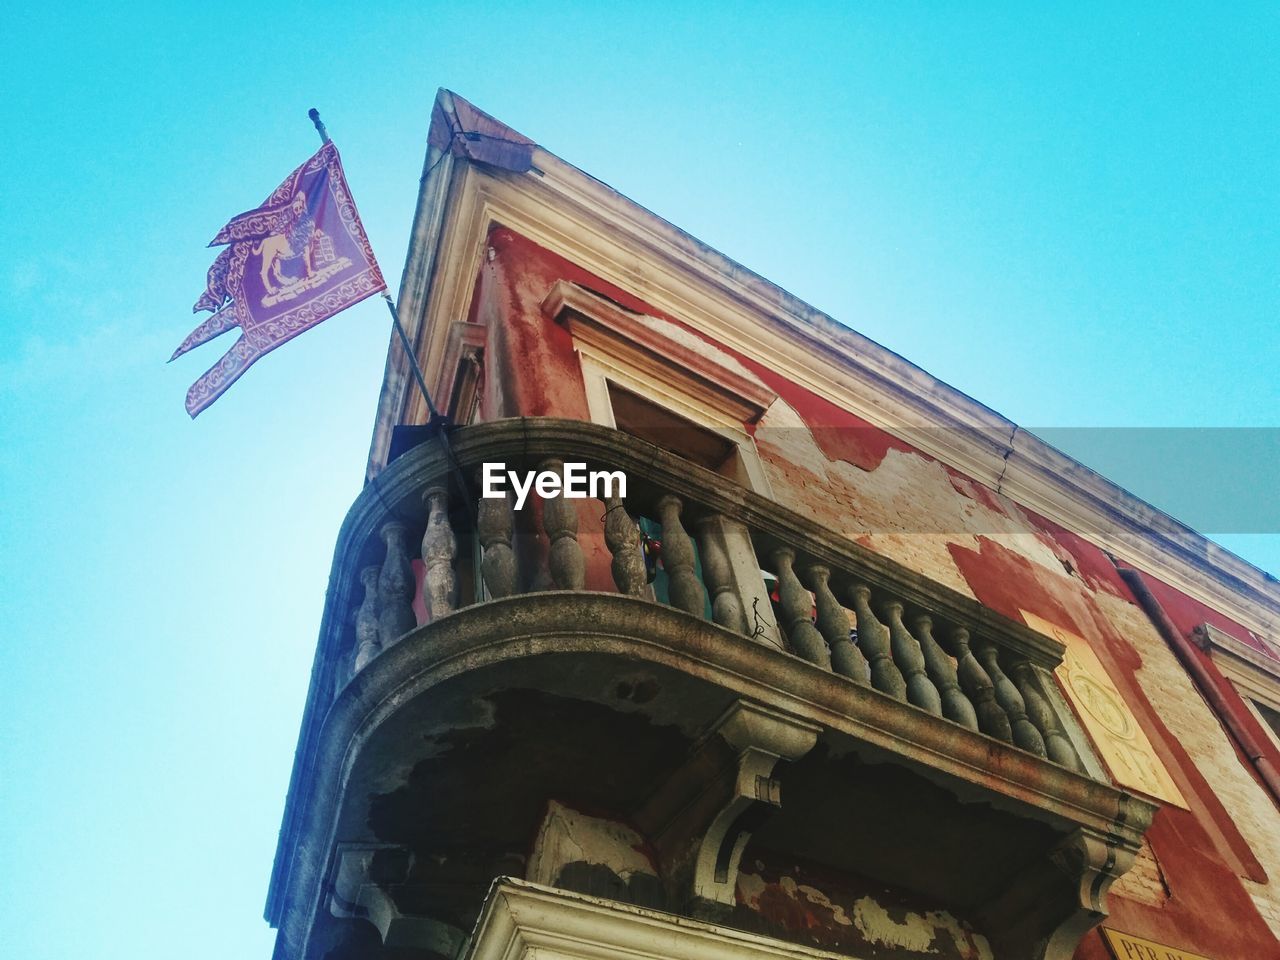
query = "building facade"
{"x": 851, "y": 667}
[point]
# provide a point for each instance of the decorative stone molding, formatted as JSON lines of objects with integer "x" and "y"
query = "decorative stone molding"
{"x": 593, "y": 855}
{"x": 1251, "y": 670}
{"x": 740, "y": 665}
{"x": 1045, "y": 912}
{"x": 395, "y": 586}
{"x": 356, "y": 894}
{"x": 461, "y": 368}
{"x": 759, "y": 737}
{"x": 439, "y": 550}
{"x": 592, "y": 318}
{"x": 524, "y": 921}
{"x": 701, "y": 818}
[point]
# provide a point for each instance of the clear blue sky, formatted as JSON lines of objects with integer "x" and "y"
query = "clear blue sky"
{"x": 1073, "y": 215}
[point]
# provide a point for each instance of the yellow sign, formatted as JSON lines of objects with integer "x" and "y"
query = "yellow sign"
{"x": 1107, "y": 719}
{"x": 1125, "y": 946}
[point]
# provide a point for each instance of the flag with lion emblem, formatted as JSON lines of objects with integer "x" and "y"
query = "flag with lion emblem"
{"x": 287, "y": 265}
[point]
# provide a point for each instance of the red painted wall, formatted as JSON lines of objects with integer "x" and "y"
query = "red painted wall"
{"x": 531, "y": 370}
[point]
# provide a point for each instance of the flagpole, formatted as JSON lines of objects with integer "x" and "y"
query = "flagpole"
{"x": 436, "y": 419}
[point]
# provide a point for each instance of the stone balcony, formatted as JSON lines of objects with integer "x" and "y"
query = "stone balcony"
{"x": 774, "y": 685}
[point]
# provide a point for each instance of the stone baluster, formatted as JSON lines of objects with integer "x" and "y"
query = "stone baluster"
{"x": 873, "y": 639}
{"x": 1041, "y": 714}
{"x": 623, "y": 538}
{"x": 833, "y": 623}
{"x": 1025, "y": 735}
{"x": 796, "y": 606}
{"x": 992, "y": 720}
{"x": 495, "y": 525}
{"x": 367, "y": 644}
{"x": 395, "y": 587}
{"x": 955, "y": 705}
{"x": 726, "y": 606}
{"x": 683, "y": 584}
{"x": 910, "y": 659}
{"x": 439, "y": 550}
{"x": 560, "y": 521}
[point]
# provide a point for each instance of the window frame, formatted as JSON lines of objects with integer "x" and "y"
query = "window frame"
{"x": 617, "y": 346}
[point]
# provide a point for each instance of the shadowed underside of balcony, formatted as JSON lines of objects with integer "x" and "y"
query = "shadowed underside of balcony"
{"x": 437, "y": 761}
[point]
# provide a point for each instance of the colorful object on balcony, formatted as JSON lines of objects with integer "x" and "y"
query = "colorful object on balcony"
{"x": 651, "y": 547}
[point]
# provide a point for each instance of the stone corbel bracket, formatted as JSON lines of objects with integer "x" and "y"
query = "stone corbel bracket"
{"x": 359, "y": 890}
{"x": 703, "y": 816}
{"x": 1092, "y": 863}
{"x": 1054, "y": 903}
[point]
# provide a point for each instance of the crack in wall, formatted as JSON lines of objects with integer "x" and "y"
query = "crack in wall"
{"x": 1007, "y": 454}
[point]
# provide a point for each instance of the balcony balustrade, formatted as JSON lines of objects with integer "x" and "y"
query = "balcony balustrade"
{"x": 838, "y": 605}
{"x": 776, "y": 639}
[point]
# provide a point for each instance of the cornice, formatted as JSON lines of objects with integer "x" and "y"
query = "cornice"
{"x": 593, "y": 318}
{"x": 582, "y": 219}
{"x": 1258, "y": 670}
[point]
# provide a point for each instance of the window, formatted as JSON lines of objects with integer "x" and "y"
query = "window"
{"x": 463, "y": 371}
{"x": 662, "y": 383}
{"x": 1270, "y": 719}
{"x": 1253, "y": 670}
{"x": 664, "y": 428}
{"x": 655, "y": 380}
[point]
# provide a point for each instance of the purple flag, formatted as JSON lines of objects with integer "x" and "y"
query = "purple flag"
{"x": 296, "y": 260}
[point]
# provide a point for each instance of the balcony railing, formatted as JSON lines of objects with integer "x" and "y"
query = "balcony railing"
{"x": 829, "y": 600}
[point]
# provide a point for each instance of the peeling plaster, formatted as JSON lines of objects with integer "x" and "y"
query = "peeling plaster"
{"x": 969, "y": 944}
{"x": 681, "y": 336}
{"x": 751, "y": 887}
{"x": 871, "y": 922}
{"x": 907, "y": 507}
{"x": 914, "y": 932}
{"x": 567, "y": 836}
{"x": 814, "y": 895}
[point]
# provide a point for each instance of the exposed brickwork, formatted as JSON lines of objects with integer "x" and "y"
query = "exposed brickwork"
{"x": 1191, "y": 721}
{"x": 1144, "y": 882}
{"x": 906, "y": 507}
